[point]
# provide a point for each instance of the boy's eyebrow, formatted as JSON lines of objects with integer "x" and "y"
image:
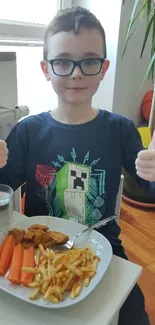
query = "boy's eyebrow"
{"x": 92, "y": 54}
{"x": 63, "y": 55}
{"x": 67, "y": 55}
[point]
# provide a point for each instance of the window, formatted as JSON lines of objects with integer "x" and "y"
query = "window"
{"x": 22, "y": 29}
{"x": 28, "y": 11}
{"x": 25, "y": 21}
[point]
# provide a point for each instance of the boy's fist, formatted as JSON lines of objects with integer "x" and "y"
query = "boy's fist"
{"x": 145, "y": 162}
{"x": 3, "y": 154}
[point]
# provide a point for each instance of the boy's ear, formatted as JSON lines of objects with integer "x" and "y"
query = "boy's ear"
{"x": 105, "y": 67}
{"x": 44, "y": 68}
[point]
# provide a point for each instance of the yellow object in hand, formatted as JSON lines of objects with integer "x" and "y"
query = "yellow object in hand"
{"x": 145, "y": 133}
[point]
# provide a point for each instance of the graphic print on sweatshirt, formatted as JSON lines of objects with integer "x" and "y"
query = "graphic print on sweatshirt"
{"x": 73, "y": 190}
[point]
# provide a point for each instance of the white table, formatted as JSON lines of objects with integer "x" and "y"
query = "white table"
{"x": 101, "y": 307}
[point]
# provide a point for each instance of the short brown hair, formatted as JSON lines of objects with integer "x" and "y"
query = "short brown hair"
{"x": 72, "y": 19}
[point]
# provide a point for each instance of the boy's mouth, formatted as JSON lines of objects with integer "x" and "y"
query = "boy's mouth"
{"x": 77, "y": 88}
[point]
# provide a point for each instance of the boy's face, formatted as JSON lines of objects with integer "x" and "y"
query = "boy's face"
{"x": 76, "y": 88}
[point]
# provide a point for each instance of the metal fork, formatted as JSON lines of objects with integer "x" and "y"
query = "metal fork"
{"x": 70, "y": 243}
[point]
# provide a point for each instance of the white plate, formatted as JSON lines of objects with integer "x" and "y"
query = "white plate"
{"x": 97, "y": 241}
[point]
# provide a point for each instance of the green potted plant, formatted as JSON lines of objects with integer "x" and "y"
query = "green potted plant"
{"x": 142, "y": 10}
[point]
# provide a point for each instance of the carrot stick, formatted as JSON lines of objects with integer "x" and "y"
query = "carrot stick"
{"x": 28, "y": 261}
{"x": 6, "y": 254}
{"x": 16, "y": 264}
{"x": 2, "y": 245}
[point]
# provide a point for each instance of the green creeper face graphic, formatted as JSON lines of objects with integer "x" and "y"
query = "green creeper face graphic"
{"x": 73, "y": 176}
{"x": 72, "y": 186}
{"x": 76, "y": 191}
{"x": 78, "y": 177}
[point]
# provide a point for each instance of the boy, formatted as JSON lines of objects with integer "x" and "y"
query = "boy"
{"x": 71, "y": 157}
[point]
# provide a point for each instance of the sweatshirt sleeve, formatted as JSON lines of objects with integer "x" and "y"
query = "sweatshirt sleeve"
{"x": 14, "y": 173}
{"x": 131, "y": 147}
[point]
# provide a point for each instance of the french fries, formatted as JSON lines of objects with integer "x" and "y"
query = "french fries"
{"x": 58, "y": 273}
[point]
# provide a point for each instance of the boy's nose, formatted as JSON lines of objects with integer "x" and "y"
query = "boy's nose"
{"x": 76, "y": 74}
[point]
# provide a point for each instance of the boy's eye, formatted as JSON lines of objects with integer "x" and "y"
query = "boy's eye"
{"x": 91, "y": 61}
{"x": 62, "y": 63}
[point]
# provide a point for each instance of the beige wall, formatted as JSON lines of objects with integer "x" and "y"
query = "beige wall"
{"x": 103, "y": 10}
{"x": 131, "y": 70}
{"x": 119, "y": 90}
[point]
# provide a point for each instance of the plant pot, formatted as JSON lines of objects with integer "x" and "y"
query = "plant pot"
{"x": 135, "y": 194}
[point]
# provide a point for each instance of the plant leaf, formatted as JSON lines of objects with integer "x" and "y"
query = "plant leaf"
{"x": 143, "y": 7}
{"x": 150, "y": 24}
{"x": 149, "y": 5}
{"x": 151, "y": 73}
{"x": 132, "y": 17}
{"x": 128, "y": 37}
{"x": 127, "y": 40}
{"x": 153, "y": 36}
{"x": 139, "y": 13}
{"x": 149, "y": 69}
{"x": 153, "y": 48}
{"x": 126, "y": 43}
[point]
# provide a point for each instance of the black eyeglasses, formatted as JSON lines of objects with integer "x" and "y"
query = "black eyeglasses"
{"x": 65, "y": 67}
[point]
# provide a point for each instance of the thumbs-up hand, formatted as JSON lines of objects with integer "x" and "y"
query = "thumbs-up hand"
{"x": 3, "y": 154}
{"x": 145, "y": 162}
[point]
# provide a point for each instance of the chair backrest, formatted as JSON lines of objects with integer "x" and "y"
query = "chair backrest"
{"x": 119, "y": 198}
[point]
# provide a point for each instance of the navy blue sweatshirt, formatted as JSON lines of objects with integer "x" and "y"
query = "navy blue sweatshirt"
{"x": 73, "y": 171}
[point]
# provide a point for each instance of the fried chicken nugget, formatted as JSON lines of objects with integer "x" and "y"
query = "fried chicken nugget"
{"x": 49, "y": 243}
{"x": 29, "y": 235}
{"x": 18, "y": 235}
{"x": 42, "y": 237}
{"x": 27, "y": 243}
{"x": 37, "y": 226}
{"x": 58, "y": 237}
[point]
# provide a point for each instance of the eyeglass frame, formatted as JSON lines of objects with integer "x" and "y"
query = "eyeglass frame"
{"x": 76, "y": 64}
